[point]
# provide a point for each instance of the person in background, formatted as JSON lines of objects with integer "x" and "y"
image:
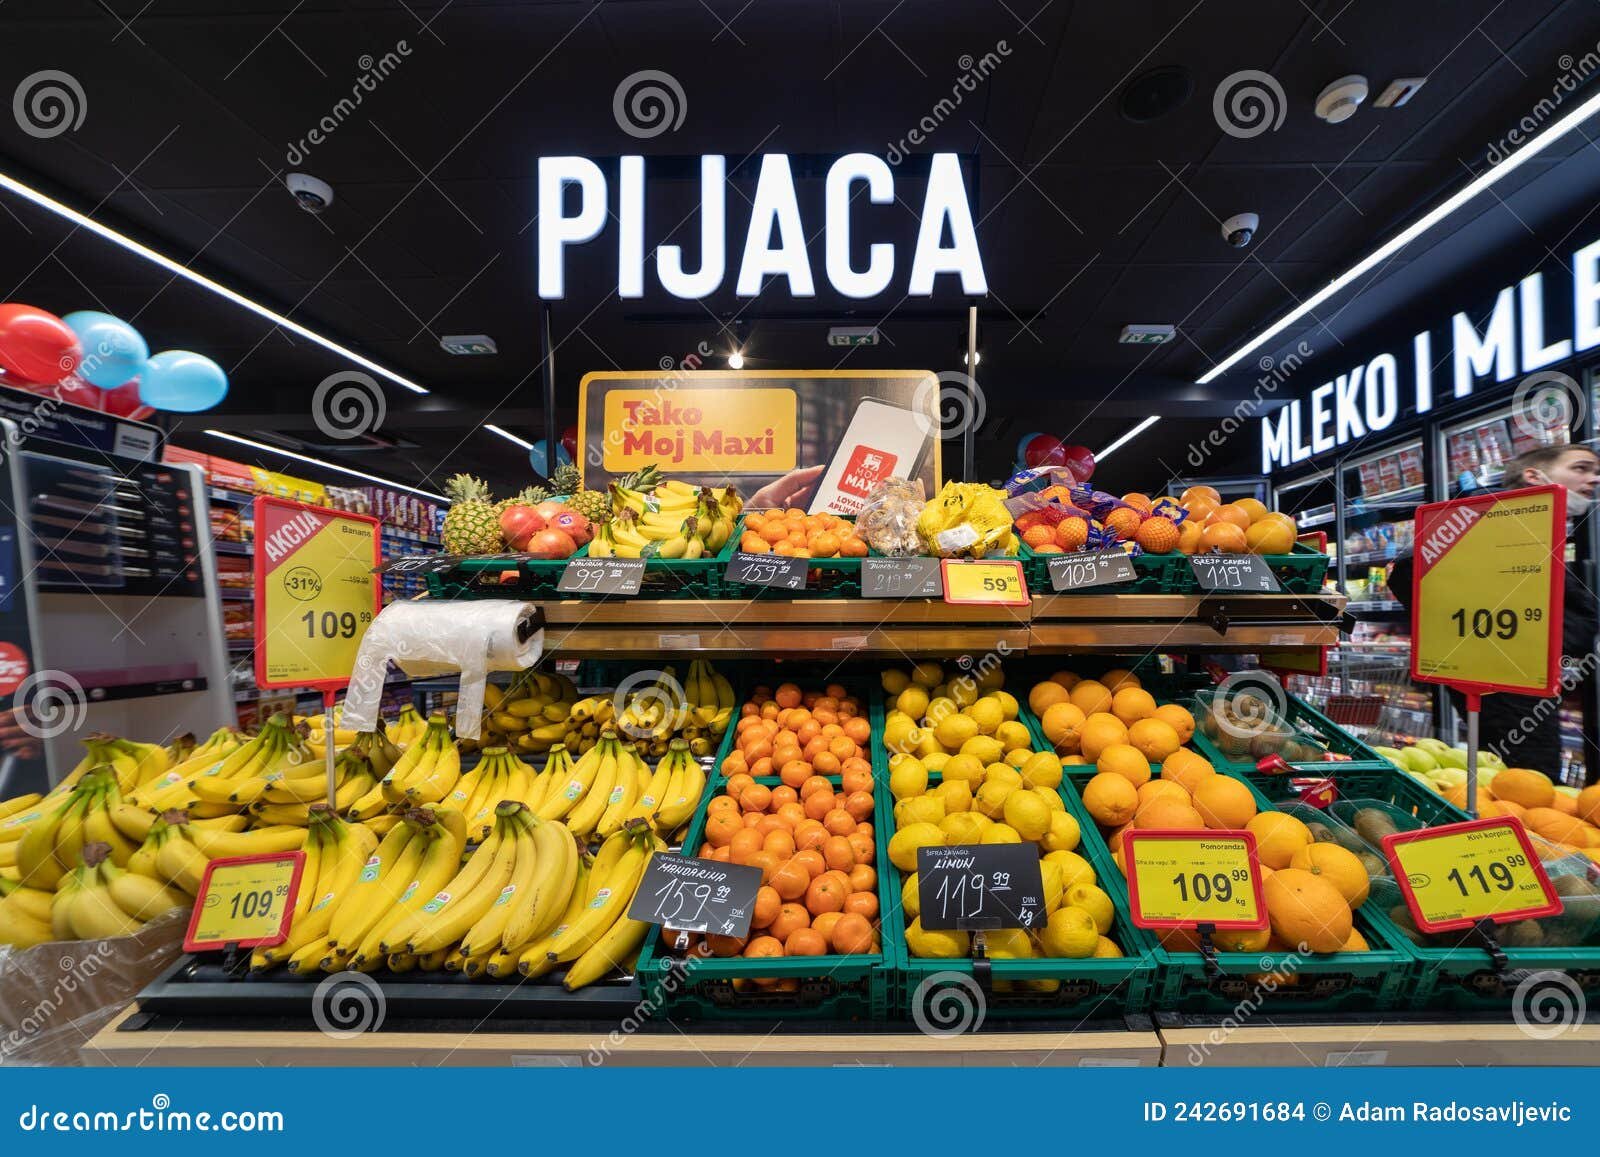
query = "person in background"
{"x": 1523, "y": 730}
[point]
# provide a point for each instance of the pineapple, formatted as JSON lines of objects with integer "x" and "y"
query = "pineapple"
{"x": 566, "y": 479}
{"x": 595, "y": 505}
{"x": 645, "y": 478}
{"x": 527, "y": 496}
{"x": 471, "y": 527}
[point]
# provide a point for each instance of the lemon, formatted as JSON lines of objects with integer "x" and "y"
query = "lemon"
{"x": 962, "y": 828}
{"x": 907, "y": 776}
{"x": 1093, "y": 901}
{"x": 1008, "y": 703}
{"x": 927, "y": 674}
{"x": 935, "y": 761}
{"x": 1050, "y": 875}
{"x": 985, "y": 747}
{"x": 941, "y": 945}
{"x": 1008, "y": 944}
{"x": 1074, "y": 868}
{"x": 1018, "y": 756}
{"x": 1063, "y": 835}
{"x": 1001, "y": 834}
{"x": 963, "y": 767}
{"x": 957, "y": 795}
{"x": 992, "y": 679}
{"x": 1052, "y": 799}
{"x": 913, "y": 701}
{"x": 1027, "y": 813}
{"x": 927, "y": 743}
{"x": 1070, "y": 932}
{"x": 1043, "y": 770}
{"x": 1107, "y": 949}
{"x": 910, "y": 898}
{"x": 894, "y": 680}
{"x": 964, "y": 691}
{"x": 991, "y": 799}
{"x": 904, "y": 843}
{"x": 954, "y": 730}
{"x": 1003, "y": 773}
{"x": 986, "y": 714}
{"x": 1012, "y": 734}
{"x": 898, "y": 732}
{"x": 922, "y": 809}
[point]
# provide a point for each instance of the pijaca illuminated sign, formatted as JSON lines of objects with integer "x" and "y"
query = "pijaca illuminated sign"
{"x": 1366, "y": 399}
{"x": 774, "y": 243}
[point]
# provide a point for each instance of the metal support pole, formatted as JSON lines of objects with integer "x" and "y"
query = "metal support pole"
{"x": 547, "y": 356}
{"x": 969, "y": 434}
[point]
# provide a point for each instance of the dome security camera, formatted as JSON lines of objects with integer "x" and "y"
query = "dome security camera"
{"x": 1240, "y": 229}
{"x": 309, "y": 193}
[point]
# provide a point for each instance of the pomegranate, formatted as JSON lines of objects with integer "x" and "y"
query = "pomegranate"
{"x": 549, "y": 508}
{"x": 573, "y": 524}
{"x": 518, "y": 524}
{"x": 551, "y": 544}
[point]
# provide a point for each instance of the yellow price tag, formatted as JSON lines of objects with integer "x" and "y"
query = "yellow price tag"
{"x": 1459, "y": 874}
{"x": 316, "y": 592}
{"x": 1487, "y": 612}
{"x": 997, "y": 582}
{"x": 1184, "y": 879}
{"x": 245, "y": 902}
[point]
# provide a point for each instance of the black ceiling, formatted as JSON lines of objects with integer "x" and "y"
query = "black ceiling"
{"x": 1087, "y": 220}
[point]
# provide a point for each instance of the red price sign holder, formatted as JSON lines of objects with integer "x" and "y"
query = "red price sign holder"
{"x": 1208, "y": 881}
{"x": 1486, "y": 599}
{"x": 316, "y": 592}
{"x": 245, "y": 902}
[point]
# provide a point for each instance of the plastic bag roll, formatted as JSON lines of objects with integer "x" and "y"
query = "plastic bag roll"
{"x": 439, "y": 638}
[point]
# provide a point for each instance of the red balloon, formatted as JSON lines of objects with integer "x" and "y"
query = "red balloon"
{"x": 569, "y": 441}
{"x": 70, "y": 389}
{"x": 124, "y": 402}
{"x": 36, "y": 346}
{"x": 1044, "y": 450}
{"x": 1080, "y": 460}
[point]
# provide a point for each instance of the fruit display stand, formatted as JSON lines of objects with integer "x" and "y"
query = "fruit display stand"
{"x": 1305, "y": 738}
{"x": 1300, "y": 572}
{"x": 522, "y": 576}
{"x": 1100, "y": 622}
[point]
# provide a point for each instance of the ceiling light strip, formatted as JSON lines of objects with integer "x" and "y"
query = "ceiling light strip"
{"x": 1400, "y": 240}
{"x": 263, "y": 447}
{"x": 30, "y": 194}
{"x": 508, "y": 435}
{"x": 1128, "y": 437}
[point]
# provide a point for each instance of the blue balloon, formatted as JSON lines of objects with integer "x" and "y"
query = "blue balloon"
{"x": 539, "y": 456}
{"x": 182, "y": 381}
{"x": 113, "y": 351}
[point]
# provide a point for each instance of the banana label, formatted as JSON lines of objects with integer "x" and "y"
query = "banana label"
{"x": 460, "y": 797}
{"x": 20, "y": 820}
{"x": 409, "y": 892}
{"x": 324, "y": 902}
{"x": 647, "y": 801}
{"x": 167, "y": 780}
{"x": 616, "y": 796}
{"x": 573, "y": 789}
{"x": 214, "y": 769}
{"x": 505, "y": 895}
{"x": 600, "y": 897}
{"x": 369, "y": 871}
{"x": 274, "y": 777}
{"x": 439, "y": 901}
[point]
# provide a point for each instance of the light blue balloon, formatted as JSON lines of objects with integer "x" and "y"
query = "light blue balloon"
{"x": 182, "y": 381}
{"x": 113, "y": 351}
{"x": 539, "y": 456}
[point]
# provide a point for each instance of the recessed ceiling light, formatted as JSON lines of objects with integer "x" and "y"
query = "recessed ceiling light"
{"x": 1338, "y": 102}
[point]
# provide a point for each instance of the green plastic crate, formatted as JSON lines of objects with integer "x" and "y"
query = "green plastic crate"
{"x": 1338, "y": 752}
{"x": 537, "y": 578}
{"x": 828, "y": 578}
{"x": 1300, "y": 572}
{"x": 1087, "y": 989}
{"x": 1386, "y": 787}
{"x": 833, "y": 988}
{"x": 1380, "y": 979}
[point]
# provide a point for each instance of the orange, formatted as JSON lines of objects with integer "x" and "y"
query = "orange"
{"x": 1269, "y": 536}
{"x": 852, "y": 546}
{"x": 745, "y": 843}
{"x": 1157, "y": 788}
{"x": 862, "y": 845}
{"x": 721, "y": 828}
{"x": 1231, "y": 513}
{"x": 1110, "y": 798}
{"x": 1223, "y": 537}
{"x": 1125, "y": 760}
{"x": 805, "y": 942}
{"x": 1045, "y": 695}
{"x": 1099, "y": 732}
{"x": 839, "y": 822}
{"x": 859, "y": 805}
{"x": 764, "y": 946}
{"x": 1189, "y": 535}
{"x": 812, "y": 861}
{"x": 1090, "y": 696}
{"x": 1254, "y": 507}
{"x": 863, "y": 878}
{"x": 787, "y": 695}
{"x": 1339, "y": 867}
{"x": 780, "y": 844}
{"x": 1278, "y": 837}
{"x": 1157, "y": 535}
{"x": 1155, "y": 738}
{"x": 1072, "y": 533}
{"x": 1040, "y": 535}
{"x": 1062, "y": 723}
{"x": 1117, "y": 678}
{"x": 818, "y": 804}
{"x": 824, "y": 545}
{"x": 1178, "y": 718}
{"x": 1225, "y": 803}
{"x": 768, "y": 904}
{"x": 825, "y": 895}
{"x": 836, "y": 853}
{"x": 755, "y": 798}
{"x": 1588, "y": 804}
{"x": 1133, "y": 703}
{"x": 863, "y": 904}
{"x": 790, "y": 880}
{"x": 823, "y": 925}
{"x": 1209, "y": 493}
{"x": 1168, "y": 813}
{"x": 1123, "y": 522}
{"x": 1307, "y": 910}
{"x": 737, "y": 784}
{"x": 852, "y": 934}
{"x": 789, "y": 917}
{"x": 1066, "y": 679}
{"x": 1531, "y": 789}
{"x": 1140, "y": 502}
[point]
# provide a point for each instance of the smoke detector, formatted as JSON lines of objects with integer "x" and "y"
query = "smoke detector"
{"x": 1338, "y": 102}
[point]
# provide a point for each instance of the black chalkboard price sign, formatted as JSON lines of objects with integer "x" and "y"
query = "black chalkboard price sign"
{"x": 602, "y": 576}
{"x": 977, "y": 887}
{"x": 767, "y": 570}
{"x": 1234, "y": 572}
{"x": 693, "y": 895}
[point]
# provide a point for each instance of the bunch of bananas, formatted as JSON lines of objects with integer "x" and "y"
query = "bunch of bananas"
{"x": 675, "y": 520}
{"x": 135, "y": 763}
{"x": 698, "y": 710}
{"x": 177, "y": 848}
{"x": 336, "y": 853}
{"x": 46, "y": 843}
{"x": 499, "y": 776}
{"x": 595, "y": 794}
{"x": 98, "y": 899}
{"x": 170, "y": 789}
{"x": 535, "y": 713}
{"x": 425, "y": 773}
{"x": 407, "y": 728}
